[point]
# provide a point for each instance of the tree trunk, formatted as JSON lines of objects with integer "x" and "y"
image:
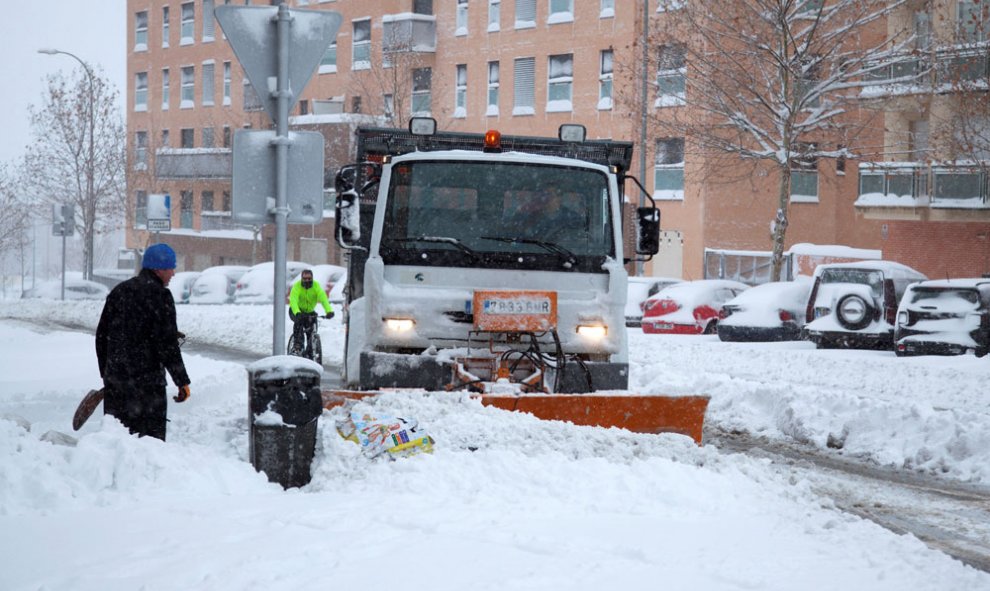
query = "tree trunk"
{"x": 780, "y": 224}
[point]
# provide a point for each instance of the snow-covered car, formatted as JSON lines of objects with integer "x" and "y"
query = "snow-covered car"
{"x": 75, "y": 289}
{"x": 216, "y": 285}
{"x": 328, "y": 276}
{"x": 181, "y": 285}
{"x": 256, "y": 286}
{"x": 769, "y": 312}
{"x": 640, "y": 288}
{"x": 336, "y": 294}
{"x": 689, "y": 308}
{"x": 944, "y": 317}
{"x": 854, "y": 305}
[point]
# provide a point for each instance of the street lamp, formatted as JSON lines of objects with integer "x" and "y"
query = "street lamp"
{"x": 89, "y": 208}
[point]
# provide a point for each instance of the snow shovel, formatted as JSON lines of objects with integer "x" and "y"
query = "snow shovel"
{"x": 86, "y": 407}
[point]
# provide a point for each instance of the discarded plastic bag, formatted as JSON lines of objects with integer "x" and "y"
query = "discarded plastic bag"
{"x": 395, "y": 436}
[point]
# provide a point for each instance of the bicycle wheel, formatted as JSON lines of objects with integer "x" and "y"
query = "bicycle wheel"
{"x": 293, "y": 347}
{"x": 317, "y": 349}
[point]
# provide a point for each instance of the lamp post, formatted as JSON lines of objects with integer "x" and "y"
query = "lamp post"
{"x": 89, "y": 208}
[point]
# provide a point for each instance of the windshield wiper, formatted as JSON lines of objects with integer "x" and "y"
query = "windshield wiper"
{"x": 442, "y": 240}
{"x": 569, "y": 257}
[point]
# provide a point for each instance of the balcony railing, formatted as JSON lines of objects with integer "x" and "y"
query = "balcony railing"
{"x": 409, "y": 32}
{"x": 193, "y": 163}
{"x": 943, "y": 70}
{"x": 912, "y": 184}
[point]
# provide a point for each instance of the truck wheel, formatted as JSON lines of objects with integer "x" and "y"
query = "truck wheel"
{"x": 853, "y": 312}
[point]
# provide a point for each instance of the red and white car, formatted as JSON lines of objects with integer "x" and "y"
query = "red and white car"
{"x": 689, "y": 308}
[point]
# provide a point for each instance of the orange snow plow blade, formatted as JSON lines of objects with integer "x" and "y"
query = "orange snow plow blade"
{"x": 641, "y": 414}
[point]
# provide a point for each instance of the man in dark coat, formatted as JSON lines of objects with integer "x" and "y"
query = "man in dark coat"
{"x": 137, "y": 341}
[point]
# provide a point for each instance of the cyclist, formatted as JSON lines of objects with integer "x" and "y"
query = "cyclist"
{"x": 303, "y": 298}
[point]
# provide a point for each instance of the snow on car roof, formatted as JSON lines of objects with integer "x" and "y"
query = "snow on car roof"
{"x": 891, "y": 269}
{"x": 775, "y": 291}
{"x": 689, "y": 292}
{"x": 962, "y": 282}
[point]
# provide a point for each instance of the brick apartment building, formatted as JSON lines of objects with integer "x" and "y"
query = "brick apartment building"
{"x": 524, "y": 67}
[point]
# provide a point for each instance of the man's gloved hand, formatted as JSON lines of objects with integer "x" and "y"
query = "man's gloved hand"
{"x": 183, "y": 394}
{"x": 329, "y": 315}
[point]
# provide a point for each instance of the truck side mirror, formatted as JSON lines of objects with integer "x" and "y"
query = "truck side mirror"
{"x": 352, "y": 182}
{"x": 648, "y": 235}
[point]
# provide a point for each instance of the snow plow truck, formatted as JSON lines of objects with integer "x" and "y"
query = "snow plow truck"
{"x": 495, "y": 264}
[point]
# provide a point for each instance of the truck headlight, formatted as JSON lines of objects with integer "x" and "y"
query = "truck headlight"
{"x": 592, "y": 331}
{"x": 399, "y": 324}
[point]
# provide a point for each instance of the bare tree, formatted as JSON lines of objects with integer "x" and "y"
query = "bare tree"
{"x": 387, "y": 87}
{"x": 14, "y": 222}
{"x": 772, "y": 81}
{"x": 59, "y": 166}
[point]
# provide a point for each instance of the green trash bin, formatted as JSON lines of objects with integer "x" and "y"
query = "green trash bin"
{"x": 284, "y": 401}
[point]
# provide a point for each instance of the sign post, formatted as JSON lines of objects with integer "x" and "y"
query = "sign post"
{"x": 63, "y": 224}
{"x": 278, "y": 77}
{"x": 159, "y": 217}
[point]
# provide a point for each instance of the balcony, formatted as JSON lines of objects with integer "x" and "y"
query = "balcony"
{"x": 193, "y": 163}
{"x": 947, "y": 69}
{"x": 409, "y": 32}
{"x": 921, "y": 185}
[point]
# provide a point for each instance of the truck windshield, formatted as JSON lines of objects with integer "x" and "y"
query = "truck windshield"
{"x": 506, "y": 215}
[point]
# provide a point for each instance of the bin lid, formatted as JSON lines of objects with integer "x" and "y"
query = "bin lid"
{"x": 284, "y": 367}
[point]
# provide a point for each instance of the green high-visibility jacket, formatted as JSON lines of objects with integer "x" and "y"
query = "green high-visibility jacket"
{"x": 305, "y": 300}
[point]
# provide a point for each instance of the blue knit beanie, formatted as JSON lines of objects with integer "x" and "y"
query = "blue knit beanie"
{"x": 158, "y": 256}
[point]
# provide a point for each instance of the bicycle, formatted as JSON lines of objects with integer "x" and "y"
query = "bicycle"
{"x": 310, "y": 346}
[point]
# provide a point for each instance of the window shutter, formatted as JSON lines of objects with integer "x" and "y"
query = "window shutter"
{"x": 208, "y": 85}
{"x": 526, "y": 10}
{"x": 208, "y": 20}
{"x": 525, "y": 70}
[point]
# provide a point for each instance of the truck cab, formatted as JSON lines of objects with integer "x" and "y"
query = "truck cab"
{"x": 486, "y": 258}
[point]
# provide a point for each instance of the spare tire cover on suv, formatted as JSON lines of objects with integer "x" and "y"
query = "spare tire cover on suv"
{"x": 854, "y": 312}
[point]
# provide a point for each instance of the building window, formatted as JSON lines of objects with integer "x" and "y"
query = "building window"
{"x": 907, "y": 183}
{"x": 423, "y": 7}
{"x": 561, "y": 11}
{"x": 422, "y": 83}
{"x": 388, "y": 107}
{"x": 141, "y": 91}
{"x": 808, "y": 95}
{"x": 304, "y": 107}
{"x": 206, "y": 201}
{"x": 188, "y": 98}
{"x": 525, "y": 14}
{"x": 974, "y": 20}
{"x": 226, "y": 136}
{"x": 560, "y": 80}
{"x": 492, "y": 89}
{"x": 922, "y": 30}
{"x": 460, "y": 91}
{"x": 187, "y": 24}
{"x": 461, "y": 18}
{"x": 141, "y": 31}
{"x": 671, "y": 74}
{"x": 524, "y": 70}
{"x": 356, "y": 104}
{"x": 607, "y": 9}
{"x": 166, "y": 143}
{"x": 140, "y": 209}
{"x": 494, "y": 15}
{"x": 329, "y": 61}
{"x": 605, "y": 80}
{"x": 165, "y": 88}
{"x": 165, "y": 26}
{"x": 361, "y": 45}
{"x": 226, "y": 83}
{"x": 226, "y": 201}
{"x": 668, "y": 172}
{"x": 141, "y": 150}
{"x": 208, "y": 83}
{"x": 804, "y": 174}
{"x": 208, "y": 137}
{"x": 186, "y": 138}
{"x": 208, "y": 21}
{"x": 185, "y": 209}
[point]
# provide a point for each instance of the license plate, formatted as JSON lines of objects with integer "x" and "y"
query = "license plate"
{"x": 663, "y": 326}
{"x": 539, "y": 305}
{"x": 515, "y": 310}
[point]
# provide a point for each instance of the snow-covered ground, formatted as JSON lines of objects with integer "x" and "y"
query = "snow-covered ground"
{"x": 535, "y": 505}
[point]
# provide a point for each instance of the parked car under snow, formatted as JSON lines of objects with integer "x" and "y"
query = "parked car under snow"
{"x": 216, "y": 285}
{"x": 768, "y": 312}
{"x": 641, "y": 288}
{"x": 944, "y": 317}
{"x": 689, "y": 308}
{"x": 854, "y": 305}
